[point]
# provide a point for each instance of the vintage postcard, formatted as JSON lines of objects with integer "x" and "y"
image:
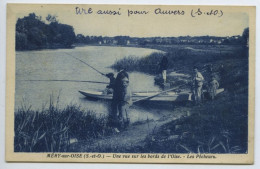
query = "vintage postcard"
{"x": 130, "y": 83}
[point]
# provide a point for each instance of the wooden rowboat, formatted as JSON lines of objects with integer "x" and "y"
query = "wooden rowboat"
{"x": 165, "y": 97}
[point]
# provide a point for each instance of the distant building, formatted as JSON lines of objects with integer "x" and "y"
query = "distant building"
{"x": 114, "y": 42}
{"x": 126, "y": 40}
{"x": 134, "y": 41}
{"x": 158, "y": 40}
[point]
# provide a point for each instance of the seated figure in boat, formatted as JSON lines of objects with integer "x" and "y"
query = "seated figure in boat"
{"x": 212, "y": 87}
{"x": 121, "y": 101}
{"x": 110, "y": 88}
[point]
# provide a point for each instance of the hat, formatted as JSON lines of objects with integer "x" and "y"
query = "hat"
{"x": 110, "y": 75}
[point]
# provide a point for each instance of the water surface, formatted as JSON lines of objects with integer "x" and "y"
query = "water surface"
{"x": 60, "y": 65}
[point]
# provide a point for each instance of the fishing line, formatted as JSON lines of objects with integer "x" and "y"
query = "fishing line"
{"x": 85, "y": 63}
{"x": 86, "y": 81}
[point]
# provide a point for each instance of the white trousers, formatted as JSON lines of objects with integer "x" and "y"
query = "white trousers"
{"x": 164, "y": 75}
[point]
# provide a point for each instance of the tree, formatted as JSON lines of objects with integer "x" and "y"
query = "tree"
{"x": 21, "y": 42}
{"x": 121, "y": 40}
{"x": 62, "y": 34}
{"x": 52, "y": 18}
{"x": 245, "y": 36}
{"x": 32, "y": 33}
{"x": 80, "y": 38}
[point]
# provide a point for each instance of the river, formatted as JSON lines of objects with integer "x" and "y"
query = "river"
{"x": 59, "y": 64}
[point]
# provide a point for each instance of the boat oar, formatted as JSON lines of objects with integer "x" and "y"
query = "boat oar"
{"x": 149, "y": 97}
{"x": 86, "y": 81}
{"x": 86, "y": 64}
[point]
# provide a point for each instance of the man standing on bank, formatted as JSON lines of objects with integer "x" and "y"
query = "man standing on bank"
{"x": 163, "y": 68}
{"x": 121, "y": 101}
{"x": 212, "y": 87}
{"x": 197, "y": 83}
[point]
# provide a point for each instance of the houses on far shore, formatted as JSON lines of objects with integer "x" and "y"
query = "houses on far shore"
{"x": 134, "y": 41}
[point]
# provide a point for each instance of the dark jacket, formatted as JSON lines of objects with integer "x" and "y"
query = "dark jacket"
{"x": 119, "y": 90}
{"x": 163, "y": 64}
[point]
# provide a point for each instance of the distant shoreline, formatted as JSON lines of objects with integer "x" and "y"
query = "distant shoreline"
{"x": 131, "y": 46}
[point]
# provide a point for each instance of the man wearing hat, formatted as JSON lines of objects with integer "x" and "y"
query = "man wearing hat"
{"x": 197, "y": 83}
{"x": 212, "y": 87}
{"x": 163, "y": 68}
{"x": 121, "y": 101}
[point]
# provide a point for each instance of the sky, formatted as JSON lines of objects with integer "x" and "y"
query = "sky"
{"x": 232, "y": 22}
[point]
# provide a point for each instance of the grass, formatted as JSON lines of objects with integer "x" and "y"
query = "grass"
{"x": 145, "y": 64}
{"x": 182, "y": 58}
{"x": 51, "y": 129}
{"x": 214, "y": 127}
{"x": 218, "y": 126}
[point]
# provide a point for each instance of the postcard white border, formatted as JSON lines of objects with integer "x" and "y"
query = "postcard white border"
{"x": 188, "y": 2}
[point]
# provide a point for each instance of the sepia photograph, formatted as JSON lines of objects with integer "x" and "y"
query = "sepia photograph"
{"x": 130, "y": 83}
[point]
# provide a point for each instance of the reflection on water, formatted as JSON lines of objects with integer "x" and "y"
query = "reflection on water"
{"x": 60, "y": 65}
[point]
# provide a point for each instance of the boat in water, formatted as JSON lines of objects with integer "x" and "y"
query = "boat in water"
{"x": 164, "y": 97}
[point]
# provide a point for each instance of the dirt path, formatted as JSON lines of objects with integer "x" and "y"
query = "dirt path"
{"x": 128, "y": 140}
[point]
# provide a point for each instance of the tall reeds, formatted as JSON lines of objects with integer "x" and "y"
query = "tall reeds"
{"x": 51, "y": 129}
{"x": 147, "y": 64}
{"x": 181, "y": 58}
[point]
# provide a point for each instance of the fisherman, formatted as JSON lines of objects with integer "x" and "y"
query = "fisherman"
{"x": 197, "y": 83}
{"x": 163, "y": 68}
{"x": 212, "y": 87}
{"x": 110, "y": 88}
{"x": 121, "y": 101}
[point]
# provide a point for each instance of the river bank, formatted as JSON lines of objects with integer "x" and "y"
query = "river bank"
{"x": 218, "y": 126}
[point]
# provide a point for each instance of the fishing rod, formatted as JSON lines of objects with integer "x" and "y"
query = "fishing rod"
{"x": 67, "y": 81}
{"x": 157, "y": 94}
{"x": 85, "y": 63}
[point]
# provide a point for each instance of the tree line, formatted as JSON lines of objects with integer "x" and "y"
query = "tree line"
{"x": 143, "y": 41}
{"x": 33, "y": 33}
